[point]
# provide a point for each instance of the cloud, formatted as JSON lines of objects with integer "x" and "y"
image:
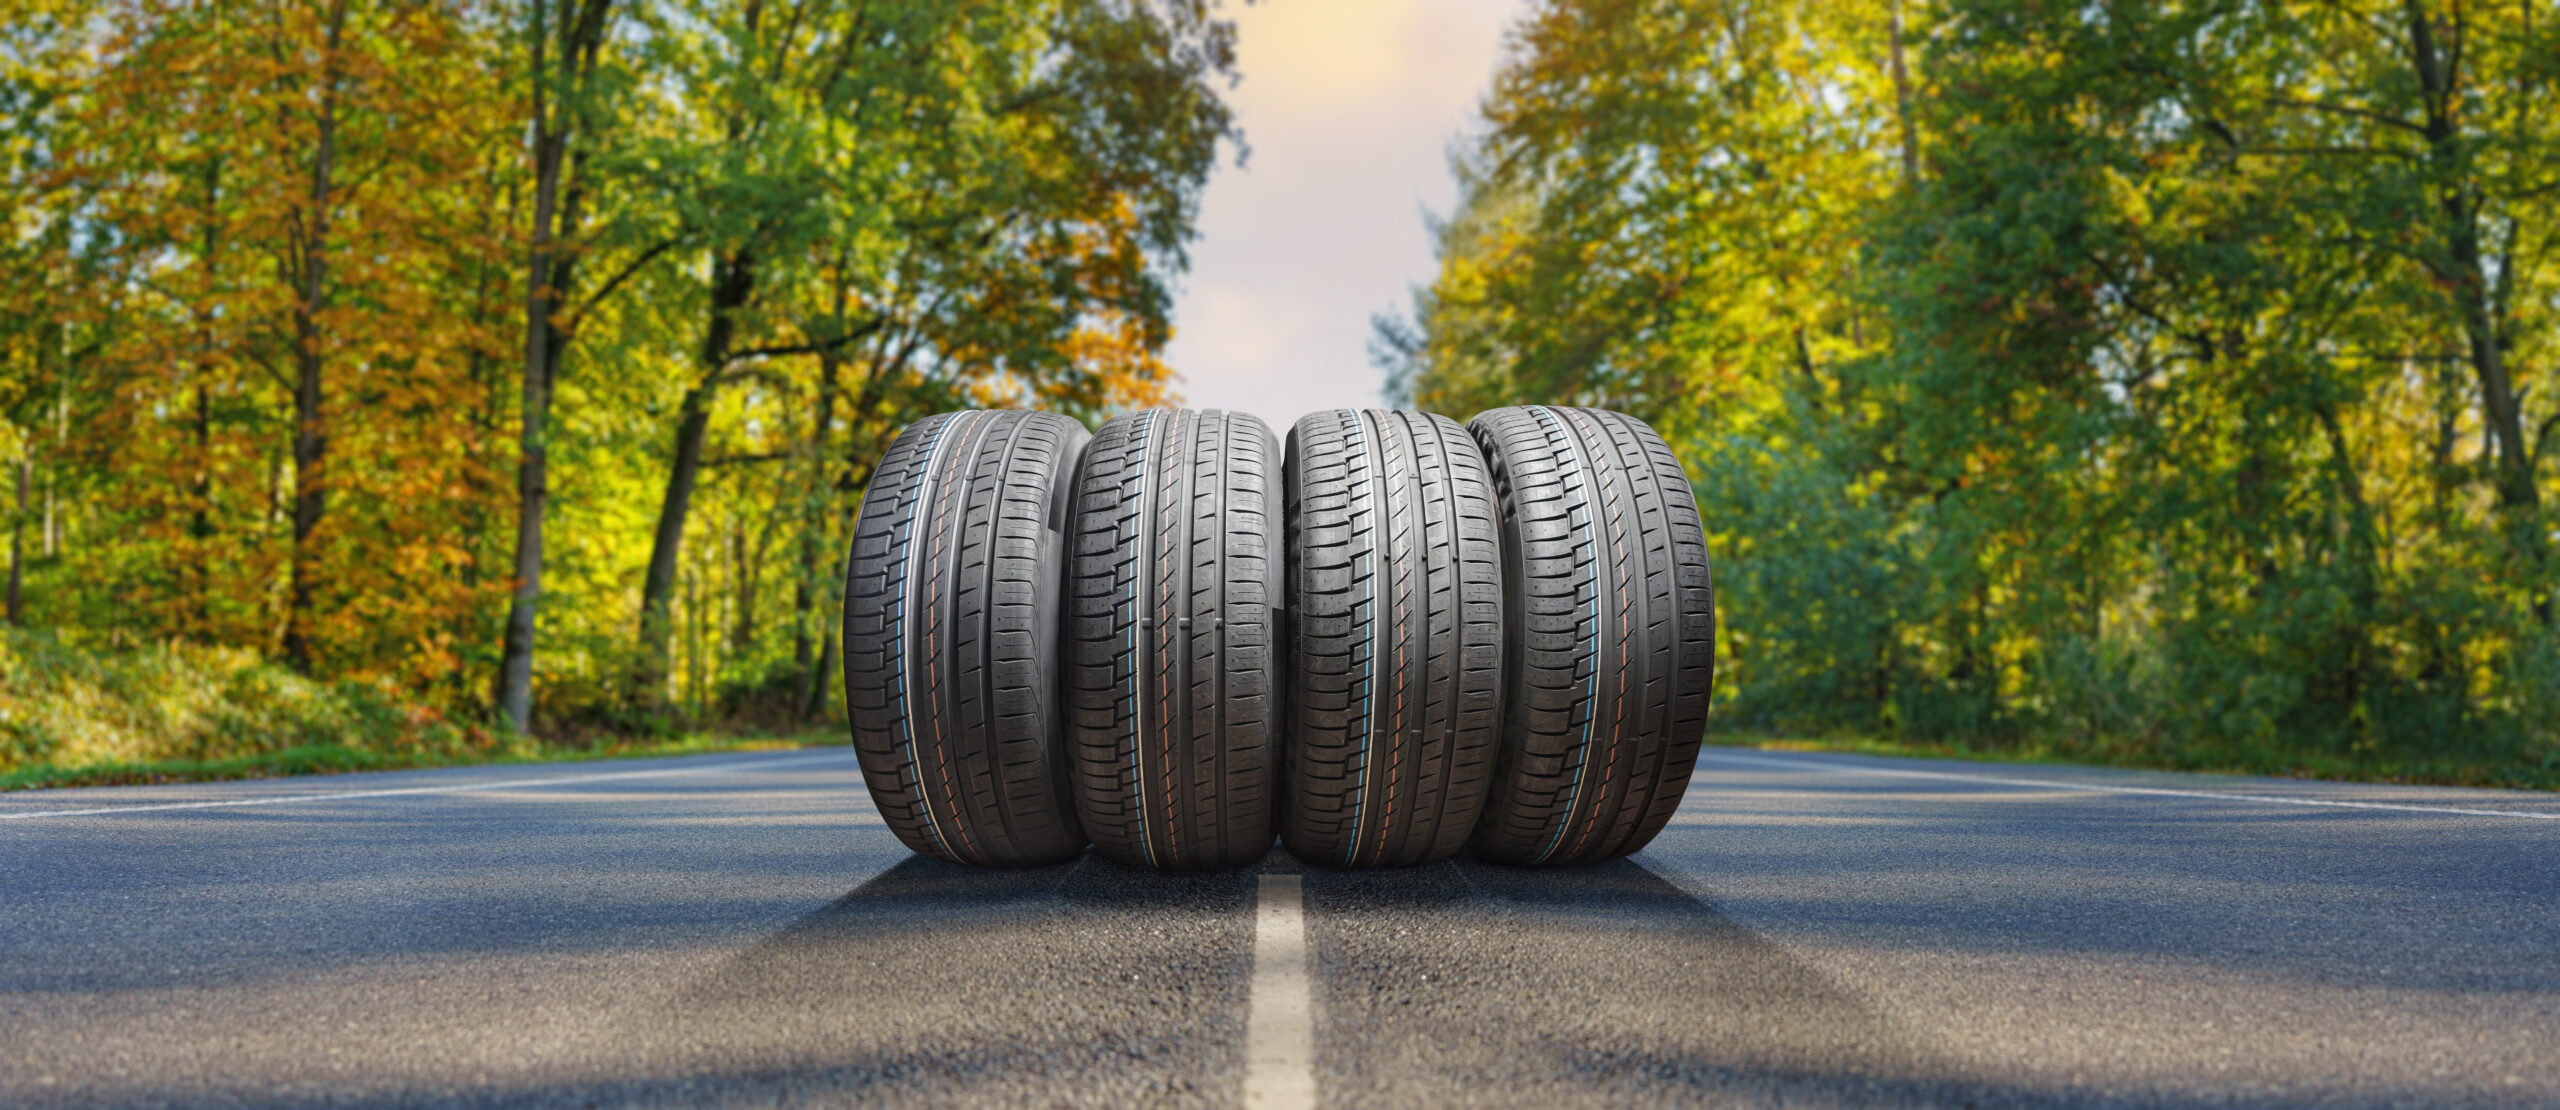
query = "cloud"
{"x": 1349, "y": 106}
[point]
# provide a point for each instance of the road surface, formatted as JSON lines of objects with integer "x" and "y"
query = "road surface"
{"x": 1813, "y": 930}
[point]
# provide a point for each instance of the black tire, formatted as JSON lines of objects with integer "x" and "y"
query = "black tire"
{"x": 951, "y": 654}
{"x": 1395, "y": 642}
{"x": 1611, "y": 654}
{"x": 1175, "y": 661}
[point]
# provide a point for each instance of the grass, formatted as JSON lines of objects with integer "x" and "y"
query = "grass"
{"x": 338, "y": 759}
{"x": 71, "y": 715}
{"x": 333, "y": 759}
{"x": 75, "y": 715}
{"x": 2276, "y": 764}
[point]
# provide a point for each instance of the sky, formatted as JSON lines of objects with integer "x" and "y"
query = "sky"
{"x": 1349, "y": 107}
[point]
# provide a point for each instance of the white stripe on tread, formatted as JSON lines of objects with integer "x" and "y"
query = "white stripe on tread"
{"x": 1280, "y": 1031}
{"x": 2096, "y": 788}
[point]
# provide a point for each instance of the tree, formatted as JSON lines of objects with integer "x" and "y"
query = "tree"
{"x": 285, "y": 281}
{"x": 271, "y": 194}
{"x": 1667, "y": 215}
{"x": 1061, "y": 146}
{"x": 569, "y": 86}
{"x": 2109, "y": 375}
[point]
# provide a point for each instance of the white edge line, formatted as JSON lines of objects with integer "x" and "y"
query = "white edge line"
{"x": 2094, "y": 788}
{"x": 511, "y": 784}
{"x": 1280, "y": 1028}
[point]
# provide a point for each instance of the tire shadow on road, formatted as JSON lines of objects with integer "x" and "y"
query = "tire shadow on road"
{"x": 1593, "y": 985}
{"x": 938, "y": 983}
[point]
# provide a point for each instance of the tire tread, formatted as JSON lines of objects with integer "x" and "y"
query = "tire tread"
{"x": 1611, "y": 661}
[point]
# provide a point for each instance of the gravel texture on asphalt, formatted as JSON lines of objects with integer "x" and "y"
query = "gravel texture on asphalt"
{"x": 1810, "y": 930}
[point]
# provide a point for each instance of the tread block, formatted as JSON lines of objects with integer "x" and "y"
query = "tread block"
{"x": 1612, "y": 622}
{"x": 1395, "y": 570}
{"x": 953, "y": 595}
{"x": 1175, "y": 599}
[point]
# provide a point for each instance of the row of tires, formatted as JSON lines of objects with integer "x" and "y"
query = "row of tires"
{"x": 1172, "y": 639}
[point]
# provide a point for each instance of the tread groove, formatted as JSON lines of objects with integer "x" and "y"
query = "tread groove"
{"x": 949, "y": 596}
{"x": 1191, "y": 647}
{"x": 1610, "y": 687}
{"x": 1392, "y": 535}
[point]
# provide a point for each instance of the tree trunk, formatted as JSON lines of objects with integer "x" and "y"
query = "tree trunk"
{"x": 2363, "y": 552}
{"x": 750, "y": 597}
{"x": 548, "y": 277}
{"x": 310, "y": 412}
{"x": 54, "y": 538}
{"x": 733, "y": 282}
{"x": 199, "y": 563}
{"x": 814, "y": 519}
{"x": 693, "y": 644}
{"x": 488, "y": 380}
{"x": 2463, "y": 271}
{"x": 1902, "y": 99}
{"x": 742, "y": 585}
{"x": 533, "y": 452}
{"x": 18, "y": 543}
{"x": 814, "y": 707}
{"x": 200, "y": 514}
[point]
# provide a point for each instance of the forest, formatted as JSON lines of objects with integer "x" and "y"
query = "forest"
{"x": 2163, "y": 382}
{"x": 2160, "y": 382}
{"x": 483, "y": 366}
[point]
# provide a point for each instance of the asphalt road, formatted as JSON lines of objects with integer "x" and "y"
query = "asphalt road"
{"x": 1813, "y": 930}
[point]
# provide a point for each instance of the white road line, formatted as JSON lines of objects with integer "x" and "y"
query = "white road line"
{"x": 2094, "y": 788}
{"x": 510, "y": 784}
{"x": 1280, "y": 1031}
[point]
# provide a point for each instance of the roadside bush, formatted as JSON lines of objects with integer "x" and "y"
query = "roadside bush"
{"x": 62, "y": 705}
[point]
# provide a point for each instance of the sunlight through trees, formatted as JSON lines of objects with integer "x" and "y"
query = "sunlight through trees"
{"x": 2173, "y": 378}
{"x": 529, "y": 354}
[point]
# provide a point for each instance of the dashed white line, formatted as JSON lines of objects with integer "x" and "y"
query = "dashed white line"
{"x": 459, "y": 788}
{"x": 2097, "y": 788}
{"x": 1280, "y": 1028}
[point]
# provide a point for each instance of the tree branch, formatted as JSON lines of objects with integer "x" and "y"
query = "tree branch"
{"x": 2325, "y": 152}
{"x": 2345, "y": 110}
{"x": 597, "y": 296}
{"x": 821, "y": 347}
{"x": 746, "y": 460}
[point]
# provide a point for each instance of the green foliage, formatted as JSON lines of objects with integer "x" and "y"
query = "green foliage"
{"x": 2133, "y": 381}
{"x": 184, "y": 713}
{"x": 2538, "y": 774}
{"x": 296, "y": 303}
{"x": 64, "y": 706}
